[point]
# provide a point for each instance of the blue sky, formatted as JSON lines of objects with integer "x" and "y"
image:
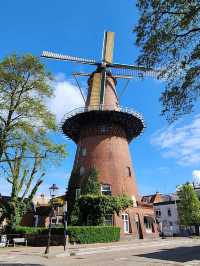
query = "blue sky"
{"x": 163, "y": 156}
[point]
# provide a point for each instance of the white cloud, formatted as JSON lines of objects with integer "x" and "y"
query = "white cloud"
{"x": 67, "y": 97}
{"x": 196, "y": 176}
{"x": 181, "y": 143}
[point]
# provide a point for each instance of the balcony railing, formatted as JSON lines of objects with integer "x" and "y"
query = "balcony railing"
{"x": 102, "y": 108}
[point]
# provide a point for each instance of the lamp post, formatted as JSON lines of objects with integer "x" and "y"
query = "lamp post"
{"x": 53, "y": 189}
{"x": 65, "y": 222}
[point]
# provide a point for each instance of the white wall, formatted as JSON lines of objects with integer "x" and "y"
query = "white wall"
{"x": 168, "y": 224}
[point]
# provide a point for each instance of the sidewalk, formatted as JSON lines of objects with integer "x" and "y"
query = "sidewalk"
{"x": 86, "y": 249}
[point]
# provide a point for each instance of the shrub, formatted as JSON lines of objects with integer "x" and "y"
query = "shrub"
{"x": 30, "y": 230}
{"x": 93, "y": 234}
{"x": 78, "y": 234}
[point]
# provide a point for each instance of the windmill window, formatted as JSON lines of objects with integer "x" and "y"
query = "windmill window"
{"x": 83, "y": 151}
{"x": 82, "y": 170}
{"x": 106, "y": 189}
{"x": 128, "y": 171}
{"x": 78, "y": 193}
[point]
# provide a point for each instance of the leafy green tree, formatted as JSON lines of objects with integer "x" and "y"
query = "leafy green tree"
{"x": 90, "y": 184}
{"x": 189, "y": 206}
{"x": 168, "y": 35}
{"x": 26, "y": 126}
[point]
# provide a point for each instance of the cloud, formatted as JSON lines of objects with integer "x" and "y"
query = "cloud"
{"x": 67, "y": 97}
{"x": 196, "y": 176}
{"x": 181, "y": 143}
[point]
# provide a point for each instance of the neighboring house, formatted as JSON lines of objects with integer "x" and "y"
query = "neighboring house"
{"x": 39, "y": 212}
{"x": 165, "y": 209}
{"x": 166, "y": 212}
{"x": 167, "y": 217}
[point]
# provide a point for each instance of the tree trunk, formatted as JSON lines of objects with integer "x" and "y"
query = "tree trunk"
{"x": 197, "y": 230}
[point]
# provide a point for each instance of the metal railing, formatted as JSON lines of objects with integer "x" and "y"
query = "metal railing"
{"x": 102, "y": 108}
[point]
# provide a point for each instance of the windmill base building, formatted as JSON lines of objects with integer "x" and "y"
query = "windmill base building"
{"x": 102, "y": 131}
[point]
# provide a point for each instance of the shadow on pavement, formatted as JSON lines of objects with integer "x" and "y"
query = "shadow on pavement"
{"x": 179, "y": 254}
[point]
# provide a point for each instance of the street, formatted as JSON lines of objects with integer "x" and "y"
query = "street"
{"x": 179, "y": 251}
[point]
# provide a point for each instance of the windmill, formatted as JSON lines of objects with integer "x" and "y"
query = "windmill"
{"x": 102, "y": 131}
{"x": 104, "y": 68}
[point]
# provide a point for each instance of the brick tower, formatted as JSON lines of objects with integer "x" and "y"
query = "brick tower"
{"x": 102, "y": 131}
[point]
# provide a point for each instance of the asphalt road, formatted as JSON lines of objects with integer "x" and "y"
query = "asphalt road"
{"x": 152, "y": 253}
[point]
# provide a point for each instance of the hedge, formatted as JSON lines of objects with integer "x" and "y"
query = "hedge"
{"x": 77, "y": 234}
{"x": 93, "y": 234}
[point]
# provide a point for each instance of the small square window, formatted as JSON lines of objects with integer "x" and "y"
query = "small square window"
{"x": 53, "y": 220}
{"x": 108, "y": 220}
{"x": 106, "y": 189}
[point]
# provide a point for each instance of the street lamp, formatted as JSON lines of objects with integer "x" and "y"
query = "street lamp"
{"x": 65, "y": 221}
{"x": 53, "y": 189}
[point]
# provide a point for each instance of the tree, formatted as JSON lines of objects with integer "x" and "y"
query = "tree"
{"x": 90, "y": 184}
{"x": 24, "y": 116}
{"x": 26, "y": 126}
{"x": 23, "y": 189}
{"x": 168, "y": 34}
{"x": 188, "y": 206}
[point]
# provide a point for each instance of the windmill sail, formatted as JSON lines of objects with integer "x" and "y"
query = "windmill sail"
{"x": 108, "y": 47}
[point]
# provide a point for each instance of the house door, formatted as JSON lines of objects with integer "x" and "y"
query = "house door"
{"x": 138, "y": 227}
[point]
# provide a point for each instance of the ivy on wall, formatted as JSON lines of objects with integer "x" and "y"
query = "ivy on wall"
{"x": 91, "y": 202}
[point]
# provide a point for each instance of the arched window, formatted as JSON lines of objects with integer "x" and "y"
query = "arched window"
{"x": 128, "y": 171}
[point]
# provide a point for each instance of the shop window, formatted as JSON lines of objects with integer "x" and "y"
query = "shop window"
{"x": 169, "y": 212}
{"x": 78, "y": 193}
{"x": 125, "y": 219}
{"x": 108, "y": 220}
{"x": 106, "y": 190}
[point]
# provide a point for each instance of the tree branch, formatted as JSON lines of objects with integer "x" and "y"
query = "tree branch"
{"x": 187, "y": 33}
